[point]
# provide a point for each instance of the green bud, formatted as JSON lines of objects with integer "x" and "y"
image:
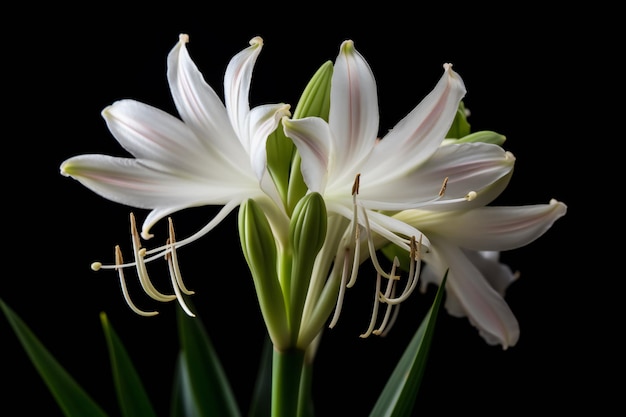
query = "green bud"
{"x": 314, "y": 101}
{"x": 307, "y": 233}
{"x": 460, "y": 126}
{"x": 280, "y": 153}
{"x": 485, "y": 136}
{"x": 259, "y": 249}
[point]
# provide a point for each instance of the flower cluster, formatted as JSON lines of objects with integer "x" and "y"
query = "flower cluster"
{"x": 319, "y": 192}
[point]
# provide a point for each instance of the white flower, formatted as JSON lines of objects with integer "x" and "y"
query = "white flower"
{"x": 213, "y": 155}
{"x": 363, "y": 179}
{"x": 468, "y": 243}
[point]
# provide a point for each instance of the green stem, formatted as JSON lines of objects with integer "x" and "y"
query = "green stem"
{"x": 287, "y": 367}
{"x": 305, "y": 405}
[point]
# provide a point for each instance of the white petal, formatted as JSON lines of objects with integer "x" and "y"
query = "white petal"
{"x": 468, "y": 293}
{"x": 197, "y": 103}
{"x": 415, "y": 138}
{"x": 353, "y": 116}
{"x": 152, "y": 134}
{"x": 496, "y": 228}
{"x": 237, "y": 87}
{"x": 467, "y": 167}
{"x": 138, "y": 184}
{"x": 313, "y": 138}
{"x": 261, "y": 122}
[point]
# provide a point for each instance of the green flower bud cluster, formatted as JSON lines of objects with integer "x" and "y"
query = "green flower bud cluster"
{"x": 282, "y": 273}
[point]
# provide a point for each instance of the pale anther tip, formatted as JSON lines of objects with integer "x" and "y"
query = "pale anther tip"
{"x": 471, "y": 195}
{"x": 95, "y": 266}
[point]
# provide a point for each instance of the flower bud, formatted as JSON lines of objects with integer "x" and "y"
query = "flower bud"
{"x": 485, "y": 136}
{"x": 307, "y": 233}
{"x": 259, "y": 249}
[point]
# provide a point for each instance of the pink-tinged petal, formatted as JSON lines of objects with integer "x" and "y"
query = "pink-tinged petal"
{"x": 312, "y": 137}
{"x": 146, "y": 185}
{"x": 197, "y": 103}
{"x": 237, "y": 87}
{"x": 469, "y": 294}
{"x": 416, "y": 137}
{"x": 152, "y": 134}
{"x": 497, "y": 228}
{"x": 353, "y": 114}
{"x": 499, "y": 275}
{"x": 261, "y": 122}
{"x": 464, "y": 168}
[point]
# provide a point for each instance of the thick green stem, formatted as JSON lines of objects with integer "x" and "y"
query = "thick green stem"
{"x": 287, "y": 367}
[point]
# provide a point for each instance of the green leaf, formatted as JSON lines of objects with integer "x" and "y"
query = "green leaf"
{"x": 205, "y": 391}
{"x": 398, "y": 397}
{"x": 261, "y": 404}
{"x": 71, "y": 398}
{"x": 131, "y": 395}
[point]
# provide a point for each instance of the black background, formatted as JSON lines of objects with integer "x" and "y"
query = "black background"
{"x": 541, "y": 79}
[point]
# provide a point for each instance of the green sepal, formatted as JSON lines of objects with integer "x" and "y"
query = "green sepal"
{"x": 259, "y": 249}
{"x": 460, "y": 126}
{"x": 204, "y": 388}
{"x": 398, "y": 396}
{"x": 71, "y": 397}
{"x": 131, "y": 395}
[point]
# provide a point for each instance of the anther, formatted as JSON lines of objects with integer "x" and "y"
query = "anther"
{"x": 471, "y": 195}
{"x": 355, "y": 186}
{"x": 96, "y": 266}
{"x": 442, "y": 191}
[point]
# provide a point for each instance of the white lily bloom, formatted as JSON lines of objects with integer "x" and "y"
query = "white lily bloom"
{"x": 362, "y": 178}
{"x": 214, "y": 154}
{"x": 467, "y": 243}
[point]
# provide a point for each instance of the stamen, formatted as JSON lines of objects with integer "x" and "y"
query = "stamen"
{"x": 172, "y": 263}
{"x": 342, "y": 291}
{"x": 142, "y": 271}
{"x": 118, "y": 262}
{"x": 370, "y": 329}
{"x": 471, "y": 195}
{"x": 390, "y": 292}
{"x": 172, "y": 252}
{"x": 415, "y": 263}
{"x": 442, "y": 191}
{"x": 356, "y": 232}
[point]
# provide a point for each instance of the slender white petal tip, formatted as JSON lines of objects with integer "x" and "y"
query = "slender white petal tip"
{"x": 183, "y": 38}
{"x": 257, "y": 40}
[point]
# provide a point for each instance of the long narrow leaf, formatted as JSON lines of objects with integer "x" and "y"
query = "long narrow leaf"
{"x": 398, "y": 397}
{"x": 131, "y": 395}
{"x": 205, "y": 388}
{"x": 261, "y": 404}
{"x": 71, "y": 398}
